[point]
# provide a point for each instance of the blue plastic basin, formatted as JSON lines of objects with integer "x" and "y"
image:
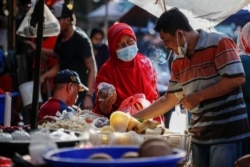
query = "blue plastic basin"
{"x": 78, "y": 157}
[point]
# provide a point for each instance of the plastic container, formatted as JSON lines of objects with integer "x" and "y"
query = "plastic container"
{"x": 26, "y": 91}
{"x": 78, "y": 157}
{"x": 2, "y": 105}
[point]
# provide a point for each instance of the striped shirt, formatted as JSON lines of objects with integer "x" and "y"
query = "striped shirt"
{"x": 218, "y": 120}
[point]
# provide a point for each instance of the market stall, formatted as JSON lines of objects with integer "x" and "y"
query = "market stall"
{"x": 86, "y": 130}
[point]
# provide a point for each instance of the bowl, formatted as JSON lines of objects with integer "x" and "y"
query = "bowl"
{"x": 78, "y": 157}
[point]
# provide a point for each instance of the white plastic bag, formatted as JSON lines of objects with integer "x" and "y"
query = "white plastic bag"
{"x": 178, "y": 121}
{"x": 51, "y": 26}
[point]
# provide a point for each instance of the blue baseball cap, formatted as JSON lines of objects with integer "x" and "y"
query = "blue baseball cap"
{"x": 67, "y": 76}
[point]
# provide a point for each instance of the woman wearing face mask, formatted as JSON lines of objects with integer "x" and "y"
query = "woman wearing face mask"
{"x": 127, "y": 70}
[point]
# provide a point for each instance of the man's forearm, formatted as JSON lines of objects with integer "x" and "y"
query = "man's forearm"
{"x": 91, "y": 81}
{"x": 159, "y": 107}
{"x": 92, "y": 72}
{"x": 51, "y": 73}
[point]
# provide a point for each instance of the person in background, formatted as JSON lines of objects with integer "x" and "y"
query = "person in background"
{"x": 3, "y": 33}
{"x": 67, "y": 86}
{"x": 23, "y": 51}
{"x": 74, "y": 50}
{"x": 243, "y": 46}
{"x": 47, "y": 62}
{"x": 100, "y": 49}
{"x": 25, "y": 57}
{"x": 127, "y": 70}
{"x": 206, "y": 79}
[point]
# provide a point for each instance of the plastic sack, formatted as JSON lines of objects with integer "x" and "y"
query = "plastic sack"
{"x": 179, "y": 120}
{"x": 51, "y": 26}
{"x": 61, "y": 135}
{"x": 104, "y": 90}
{"x": 134, "y": 103}
{"x": 40, "y": 143}
{"x": 65, "y": 115}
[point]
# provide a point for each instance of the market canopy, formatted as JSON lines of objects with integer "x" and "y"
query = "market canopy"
{"x": 138, "y": 17}
{"x": 201, "y": 14}
{"x": 240, "y": 18}
{"x": 112, "y": 10}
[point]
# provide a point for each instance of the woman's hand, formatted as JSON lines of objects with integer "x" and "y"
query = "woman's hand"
{"x": 110, "y": 100}
{"x": 106, "y": 104}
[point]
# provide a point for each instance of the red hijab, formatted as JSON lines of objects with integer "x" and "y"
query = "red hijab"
{"x": 129, "y": 78}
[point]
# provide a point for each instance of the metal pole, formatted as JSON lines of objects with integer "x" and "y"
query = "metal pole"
{"x": 37, "y": 18}
{"x": 106, "y": 17}
{"x": 11, "y": 25}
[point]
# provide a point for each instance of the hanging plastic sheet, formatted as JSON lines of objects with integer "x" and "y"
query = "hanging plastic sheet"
{"x": 201, "y": 14}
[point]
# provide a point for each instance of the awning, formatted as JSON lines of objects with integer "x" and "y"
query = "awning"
{"x": 201, "y": 14}
{"x": 112, "y": 10}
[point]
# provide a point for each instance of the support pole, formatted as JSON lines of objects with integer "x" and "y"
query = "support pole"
{"x": 37, "y": 17}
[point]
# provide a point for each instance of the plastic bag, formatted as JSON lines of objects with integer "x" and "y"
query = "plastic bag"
{"x": 134, "y": 103}
{"x": 40, "y": 143}
{"x": 65, "y": 115}
{"x": 51, "y": 26}
{"x": 179, "y": 120}
{"x": 104, "y": 90}
{"x": 61, "y": 135}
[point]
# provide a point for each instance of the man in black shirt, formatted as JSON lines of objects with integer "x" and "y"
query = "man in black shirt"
{"x": 75, "y": 52}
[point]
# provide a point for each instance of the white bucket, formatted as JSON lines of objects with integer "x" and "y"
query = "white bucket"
{"x": 26, "y": 91}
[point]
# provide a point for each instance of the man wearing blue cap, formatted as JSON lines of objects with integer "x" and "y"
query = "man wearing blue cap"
{"x": 67, "y": 86}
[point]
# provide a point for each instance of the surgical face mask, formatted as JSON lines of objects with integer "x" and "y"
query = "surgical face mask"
{"x": 128, "y": 53}
{"x": 182, "y": 50}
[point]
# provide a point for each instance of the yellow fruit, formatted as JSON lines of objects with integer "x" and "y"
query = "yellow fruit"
{"x": 119, "y": 121}
{"x": 107, "y": 128}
